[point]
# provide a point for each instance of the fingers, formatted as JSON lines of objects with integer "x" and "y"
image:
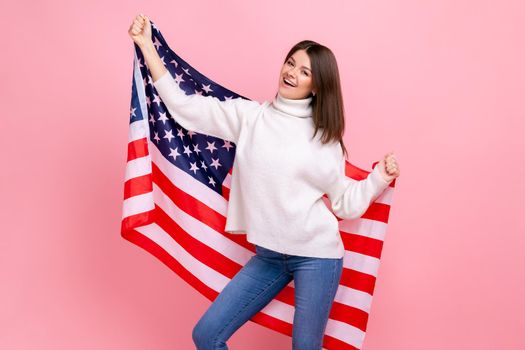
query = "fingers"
{"x": 138, "y": 24}
{"x": 391, "y": 165}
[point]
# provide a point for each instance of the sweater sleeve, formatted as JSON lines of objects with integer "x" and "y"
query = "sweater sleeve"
{"x": 204, "y": 114}
{"x": 351, "y": 198}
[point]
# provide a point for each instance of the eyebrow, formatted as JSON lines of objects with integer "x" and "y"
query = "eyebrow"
{"x": 303, "y": 65}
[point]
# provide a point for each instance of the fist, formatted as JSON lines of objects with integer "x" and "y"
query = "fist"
{"x": 140, "y": 30}
{"x": 388, "y": 167}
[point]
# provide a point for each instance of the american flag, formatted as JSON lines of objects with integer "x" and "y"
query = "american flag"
{"x": 176, "y": 194}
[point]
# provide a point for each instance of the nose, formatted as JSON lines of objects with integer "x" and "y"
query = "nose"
{"x": 291, "y": 73}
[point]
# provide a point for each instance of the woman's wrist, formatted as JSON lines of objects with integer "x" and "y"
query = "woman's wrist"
{"x": 147, "y": 47}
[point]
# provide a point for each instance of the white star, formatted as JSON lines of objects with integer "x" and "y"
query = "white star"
{"x": 211, "y": 146}
{"x": 203, "y": 164}
{"x": 180, "y": 134}
{"x": 156, "y": 99}
{"x": 162, "y": 59}
{"x": 168, "y": 135}
{"x": 211, "y": 181}
{"x": 148, "y": 101}
{"x": 198, "y": 92}
{"x": 187, "y": 150}
{"x": 150, "y": 80}
{"x": 196, "y": 148}
{"x": 227, "y": 145}
{"x": 191, "y": 133}
{"x": 156, "y": 42}
{"x": 174, "y": 153}
{"x": 140, "y": 64}
{"x": 215, "y": 163}
{"x": 206, "y": 88}
{"x": 156, "y": 137}
{"x": 178, "y": 78}
{"x": 194, "y": 167}
{"x": 152, "y": 119}
{"x": 186, "y": 70}
{"x": 133, "y": 112}
{"x": 228, "y": 97}
{"x": 175, "y": 63}
{"x": 163, "y": 117}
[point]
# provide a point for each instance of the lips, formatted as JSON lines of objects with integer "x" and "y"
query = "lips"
{"x": 287, "y": 82}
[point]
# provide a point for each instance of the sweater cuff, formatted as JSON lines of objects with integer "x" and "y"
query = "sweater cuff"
{"x": 377, "y": 179}
{"x": 167, "y": 86}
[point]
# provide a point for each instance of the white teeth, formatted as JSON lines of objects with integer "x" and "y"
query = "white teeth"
{"x": 289, "y": 82}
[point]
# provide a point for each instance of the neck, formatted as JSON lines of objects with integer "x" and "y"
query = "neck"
{"x": 300, "y": 108}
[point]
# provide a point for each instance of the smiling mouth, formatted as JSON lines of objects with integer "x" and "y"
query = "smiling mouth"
{"x": 285, "y": 81}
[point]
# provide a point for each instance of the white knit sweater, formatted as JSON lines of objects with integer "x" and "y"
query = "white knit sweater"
{"x": 279, "y": 174}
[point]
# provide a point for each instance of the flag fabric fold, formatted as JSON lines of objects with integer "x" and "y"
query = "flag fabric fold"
{"x": 176, "y": 191}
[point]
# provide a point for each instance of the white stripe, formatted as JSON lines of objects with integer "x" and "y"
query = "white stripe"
{"x": 353, "y": 297}
{"x": 345, "y": 332}
{"x": 138, "y": 130}
{"x": 361, "y": 262}
{"x": 364, "y": 227}
{"x": 217, "y": 282}
{"x": 203, "y": 272}
{"x": 137, "y": 204}
{"x": 227, "y": 181}
{"x": 386, "y": 196}
{"x": 138, "y": 167}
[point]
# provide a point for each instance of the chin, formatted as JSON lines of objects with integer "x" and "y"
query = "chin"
{"x": 287, "y": 94}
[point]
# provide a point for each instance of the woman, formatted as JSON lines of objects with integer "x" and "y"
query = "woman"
{"x": 290, "y": 152}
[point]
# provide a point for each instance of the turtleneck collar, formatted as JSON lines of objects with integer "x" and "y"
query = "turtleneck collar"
{"x": 297, "y": 108}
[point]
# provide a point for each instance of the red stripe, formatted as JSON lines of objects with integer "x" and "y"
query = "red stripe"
{"x": 358, "y": 280}
{"x": 334, "y": 343}
{"x": 137, "y": 149}
{"x": 362, "y": 244}
{"x": 137, "y": 185}
{"x": 226, "y": 193}
{"x": 137, "y": 220}
{"x": 377, "y": 211}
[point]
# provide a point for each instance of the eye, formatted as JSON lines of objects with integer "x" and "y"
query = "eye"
{"x": 289, "y": 63}
{"x": 305, "y": 73}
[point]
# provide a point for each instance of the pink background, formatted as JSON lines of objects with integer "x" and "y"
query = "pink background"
{"x": 440, "y": 83}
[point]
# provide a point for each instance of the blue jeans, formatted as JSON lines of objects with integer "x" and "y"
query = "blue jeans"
{"x": 257, "y": 283}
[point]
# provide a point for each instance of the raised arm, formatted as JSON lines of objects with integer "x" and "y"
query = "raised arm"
{"x": 203, "y": 114}
{"x": 351, "y": 198}
{"x": 140, "y": 32}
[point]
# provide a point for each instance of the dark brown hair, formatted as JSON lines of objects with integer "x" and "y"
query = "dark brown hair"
{"x": 327, "y": 103}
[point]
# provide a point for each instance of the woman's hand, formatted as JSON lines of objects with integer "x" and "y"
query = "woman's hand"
{"x": 140, "y": 30}
{"x": 388, "y": 167}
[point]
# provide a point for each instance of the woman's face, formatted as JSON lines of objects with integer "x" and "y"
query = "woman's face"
{"x": 297, "y": 71}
